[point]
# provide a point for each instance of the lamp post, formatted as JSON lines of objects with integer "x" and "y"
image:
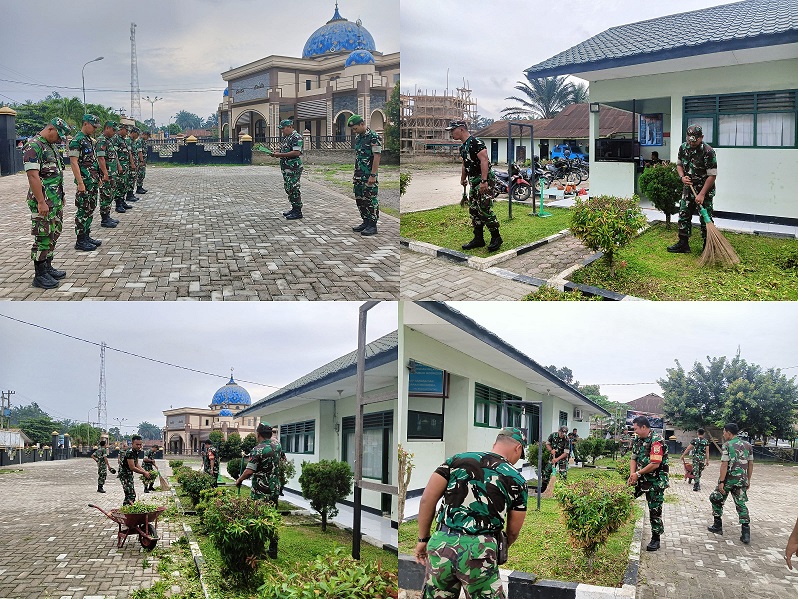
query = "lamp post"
{"x": 119, "y": 422}
{"x": 152, "y": 111}
{"x": 83, "y": 77}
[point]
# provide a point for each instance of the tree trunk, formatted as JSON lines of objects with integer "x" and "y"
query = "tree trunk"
{"x": 324, "y": 521}
{"x": 667, "y": 221}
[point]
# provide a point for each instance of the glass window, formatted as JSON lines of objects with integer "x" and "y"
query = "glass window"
{"x": 488, "y": 403}
{"x": 563, "y": 418}
{"x": 707, "y": 125}
{"x": 298, "y": 437}
{"x": 307, "y": 84}
{"x": 775, "y": 129}
{"x": 735, "y": 130}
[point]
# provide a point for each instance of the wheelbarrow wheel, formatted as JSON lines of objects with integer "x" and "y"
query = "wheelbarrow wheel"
{"x": 151, "y": 539}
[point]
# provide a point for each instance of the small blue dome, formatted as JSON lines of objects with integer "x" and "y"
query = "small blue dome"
{"x": 338, "y": 35}
{"x": 226, "y": 92}
{"x": 225, "y": 412}
{"x": 231, "y": 393}
{"x": 359, "y": 57}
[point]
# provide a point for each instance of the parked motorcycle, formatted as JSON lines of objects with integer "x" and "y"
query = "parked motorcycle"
{"x": 521, "y": 187}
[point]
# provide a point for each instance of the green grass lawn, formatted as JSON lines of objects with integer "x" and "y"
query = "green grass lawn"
{"x": 769, "y": 269}
{"x": 450, "y": 226}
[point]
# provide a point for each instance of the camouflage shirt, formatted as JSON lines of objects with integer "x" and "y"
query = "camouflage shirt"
{"x": 121, "y": 149}
{"x": 289, "y": 143}
{"x": 124, "y": 468}
{"x": 264, "y": 461}
{"x": 107, "y": 149}
{"x": 100, "y": 454}
{"x": 558, "y": 445}
{"x": 482, "y": 487}
{"x": 39, "y": 155}
{"x": 366, "y": 145}
{"x": 652, "y": 449}
{"x": 206, "y": 461}
{"x": 150, "y": 455}
{"x": 82, "y": 147}
{"x": 469, "y": 153}
{"x": 737, "y": 453}
{"x": 699, "y": 163}
{"x": 699, "y": 453}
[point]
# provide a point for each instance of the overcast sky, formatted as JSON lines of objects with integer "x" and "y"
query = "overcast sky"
{"x": 489, "y": 44}
{"x": 635, "y": 342}
{"x": 181, "y": 45}
{"x": 272, "y": 343}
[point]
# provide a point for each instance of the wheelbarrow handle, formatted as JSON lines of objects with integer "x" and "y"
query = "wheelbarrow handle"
{"x": 99, "y": 508}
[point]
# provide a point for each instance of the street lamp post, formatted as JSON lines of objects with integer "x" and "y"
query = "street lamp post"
{"x": 152, "y": 111}
{"x": 119, "y": 422}
{"x": 83, "y": 77}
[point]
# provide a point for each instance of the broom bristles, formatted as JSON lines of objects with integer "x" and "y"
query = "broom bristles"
{"x": 718, "y": 251}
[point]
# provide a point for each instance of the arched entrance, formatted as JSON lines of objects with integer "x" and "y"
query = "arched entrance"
{"x": 377, "y": 121}
{"x": 226, "y": 132}
{"x": 175, "y": 444}
{"x": 340, "y": 130}
{"x": 252, "y": 123}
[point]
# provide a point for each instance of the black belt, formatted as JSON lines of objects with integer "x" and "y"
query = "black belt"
{"x": 454, "y": 531}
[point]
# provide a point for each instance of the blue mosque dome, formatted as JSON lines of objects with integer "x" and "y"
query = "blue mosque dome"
{"x": 359, "y": 57}
{"x": 231, "y": 393}
{"x": 225, "y": 412}
{"x": 338, "y": 35}
{"x": 226, "y": 92}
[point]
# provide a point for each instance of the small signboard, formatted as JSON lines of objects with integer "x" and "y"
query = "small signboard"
{"x": 427, "y": 381}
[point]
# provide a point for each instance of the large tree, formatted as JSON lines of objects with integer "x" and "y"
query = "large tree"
{"x": 393, "y": 109}
{"x": 188, "y": 120}
{"x": 31, "y": 410}
{"x": 40, "y": 428}
{"x": 149, "y": 431}
{"x": 543, "y": 97}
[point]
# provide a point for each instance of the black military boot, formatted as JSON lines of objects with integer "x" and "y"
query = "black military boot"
{"x": 83, "y": 244}
{"x": 495, "y": 240}
{"x": 653, "y": 544}
{"x": 717, "y": 526}
{"x": 95, "y": 242}
{"x": 119, "y": 206}
{"x": 100, "y": 489}
{"x": 287, "y": 212}
{"x": 697, "y": 487}
{"x": 130, "y": 197}
{"x": 479, "y": 239}
{"x": 361, "y": 226}
{"x": 42, "y": 278}
{"x": 140, "y": 189}
{"x": 745, "y": 537}
{"x": 295, "y": 214}
{"x": 125, "y": 205}
{"x": 108, "y": 222}
{"x": 370, "y": 228}
{"x": 680, "y": 247}
{"x": 54, "y": 272}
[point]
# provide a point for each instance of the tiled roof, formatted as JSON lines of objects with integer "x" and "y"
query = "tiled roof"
{"x": 499, "y": 129}
{"x": 572, "y": 123}
{"x": 651, "y": 403}
{"x": 747, "y": 24}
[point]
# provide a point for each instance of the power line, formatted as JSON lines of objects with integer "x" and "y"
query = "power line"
{"x": 153, "y": 90}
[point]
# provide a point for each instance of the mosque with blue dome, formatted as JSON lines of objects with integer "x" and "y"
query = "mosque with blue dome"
{"x": 340, "y": 73}
{"x": 187, "y": 428}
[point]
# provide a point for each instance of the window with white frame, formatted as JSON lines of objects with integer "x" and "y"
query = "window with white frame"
{"x": 298, "y": 437}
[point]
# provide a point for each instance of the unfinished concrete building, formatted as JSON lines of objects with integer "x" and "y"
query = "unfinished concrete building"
{"x": 425, "y": 117}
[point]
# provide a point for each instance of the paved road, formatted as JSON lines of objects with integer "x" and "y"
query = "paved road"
{"x": 207, "y": 233}
{"x": 53, "y": 546}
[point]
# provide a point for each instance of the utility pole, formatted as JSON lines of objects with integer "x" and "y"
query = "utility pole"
{"x": 135, "y": 94}
{"x": 102, "y": 402}
{"x": 5, "y": 409}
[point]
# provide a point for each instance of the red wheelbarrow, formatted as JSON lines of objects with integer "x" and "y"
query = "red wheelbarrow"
{"x": 145, "y": 525}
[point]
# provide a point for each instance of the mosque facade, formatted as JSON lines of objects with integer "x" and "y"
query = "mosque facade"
{"x": 187, "y": 428}
{"x": 340, "y": 73}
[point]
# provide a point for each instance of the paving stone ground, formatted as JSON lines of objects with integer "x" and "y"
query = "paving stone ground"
{"x": 208, "y": 233}
{"x": 52, "y": 545}
{"x": 549, "y": 260}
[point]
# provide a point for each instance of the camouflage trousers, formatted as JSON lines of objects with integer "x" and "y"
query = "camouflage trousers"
{"x": 366, "y": 199}
{"x": 102, "y": 473}
{"x": 548, "y": 470}
{"x": 740, "y": 497}
{"x": 480, "y": 207}
{"x": 141, "y": 173}
{"x": 47, "y": 229}
{"x": 107, "y": 191}
{"x": 462, "y": 561}
{"x": 86, "y": 203}
{"x": 291, "y": 182}
{"x": 655, "y": 497}
{"x": 698, "y": 468}
{"x": 122, "y": 183}
{"x": 688, "y": 207}
{"x": 129, "y": 488}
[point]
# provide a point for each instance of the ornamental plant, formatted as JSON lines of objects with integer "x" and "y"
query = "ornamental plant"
{"x": 138, "y": 507}
{"x": 248, "y": 442}
{"x": 324, "y": 484}
{"x": 235, "y": 467}
{"x": 404, "y": 182}
{"x": 591, "y": 447}
{"x": 286, "y": 471}
{"x": 661, "y": 184}
{"x": 332, "y": 576}
{"x": 607, "y": 223}
{"x": 622, "y": 468}
{"x": 175, "y": 464}
{"x": 194, "y": 483}
{"x": 241, "y": 529}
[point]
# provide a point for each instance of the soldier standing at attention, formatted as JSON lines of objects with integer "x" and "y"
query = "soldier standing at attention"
{"x": 129, "y": 465}
{"x": 108, "y": 166}
{"x": 368, "y": 151}
{"x": 44, "y": 168}
{"x": 149, "y": 466}
{"x": 135, "y": 165}
{"x": 263, "y": 467}
{"x": 83, "y": 160}
{"x": 558, "y": 444}
{"x": 700, "y": 454}
{"x": 145, "y": 137}
{"x": 100, "y": 456}
{"x": 131, "y": 170}
{"x": 481, "y": 492}
{"x": 477, "y": 172}
{"x": 697, "y": 166}
{"x": 648, "y": 473}
{"x": 291, "y": 167}
{"x": 123, "y": 154}
{"x": 736, "y": 469}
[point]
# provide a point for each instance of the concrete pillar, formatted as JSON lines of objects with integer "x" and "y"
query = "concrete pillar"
{"x": 8, "y": 147}
{"x": 191, "y": 147}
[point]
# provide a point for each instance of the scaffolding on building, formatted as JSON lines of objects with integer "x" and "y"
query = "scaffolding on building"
{"x": 425, "y": 117}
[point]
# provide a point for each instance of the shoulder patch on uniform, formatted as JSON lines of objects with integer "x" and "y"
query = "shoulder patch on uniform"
{"x": 656, "y": 448}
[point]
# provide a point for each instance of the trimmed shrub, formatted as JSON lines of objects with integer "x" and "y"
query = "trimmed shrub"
{"x": 175, "y": 464}
{"x": 607, "y": 223}
{"x": 332, "y": 576}
{"x": 404, "y": 182}
{"x": 591, "y": 447}
{"x": 194, "y": 483}
{"x": 661, "y": 184}
{"x": 181, "y": 471}
{"x": 286, "y": 470}
{"x": 248, "y": 442}
{"x": 235, "y": 467}
{"x": 231, "y": 448}
{"x": 532, "y": 454}
{"x": 208, "y": 495}
{"x": 324, "y": 484}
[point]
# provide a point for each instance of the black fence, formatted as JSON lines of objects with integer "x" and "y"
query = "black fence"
{"x": 17, "y": 457}
{"x": 201, "y": 152}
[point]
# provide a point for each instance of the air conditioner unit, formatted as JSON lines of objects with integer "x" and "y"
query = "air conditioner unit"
{"x": 578, "y": 414}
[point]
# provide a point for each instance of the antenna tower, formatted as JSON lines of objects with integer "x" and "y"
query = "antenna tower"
{"x": 102, "y": 403}
{"x": 135, "y": 93}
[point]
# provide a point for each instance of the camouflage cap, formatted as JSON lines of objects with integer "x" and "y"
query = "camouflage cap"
{"x": 563, "y": 429}
{"x": 123, "y": 126}
{"x": 135, "y": 130}
{"x": 355, "y": 119}
{"x": 61, "y": 126}
{"x": 91, "y": 120}
{"x": 514, "y": 433}
{"x": 456, "y": 124}
{"x": 286, "y": 123}
{"x": 694, "y": 132}
{"x": 110, "y": 124}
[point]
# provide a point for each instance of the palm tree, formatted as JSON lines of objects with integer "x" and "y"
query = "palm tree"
{"x": 579, "y": 94}
{"x": 545, "y": 97}
{"x": 69, "y": 109}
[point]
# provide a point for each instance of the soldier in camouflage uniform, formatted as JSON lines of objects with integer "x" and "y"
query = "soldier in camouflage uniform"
{"x": 368, "y": 152}
{"x": 142, "y": 172}
{"x": 100, "y": 456}
{"x": 109, "y": 167}
{"x": 481, "y": 492}
{"x": 264, "y": 468}
{"x": 149, "y": 466}
{"x": 648, "y": 473}
{"x": 210, "y": 461}
{"x": 83, "y": 160}
{"x": 44, "y": 168}
{"x": 135, "y": 152}
{"x": 697, "y": 166}
{"x": 291, "y": 167}
{"x": 123, "y": 155}
{"x": 476, "y": 171}
{"x": 736, "y": 469}
{"x": 131, "y": 175}
{"x": 129, "y": 463}
{"x": 558, "y": 444}
{"x": 699, "y": 448}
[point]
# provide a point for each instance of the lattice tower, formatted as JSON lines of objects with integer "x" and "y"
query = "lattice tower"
{"x": 135, "y": 93}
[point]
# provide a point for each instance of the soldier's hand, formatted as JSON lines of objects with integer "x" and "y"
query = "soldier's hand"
{"x": 106, "y": 178}
{"x": 81, "y": 187}
{"x": 720, "y": 487}
{"x": 687, "y": 180}
{"x": 43, "y": 208}
{"x": 421, "y": 554}
{"x": 483, "y": 188}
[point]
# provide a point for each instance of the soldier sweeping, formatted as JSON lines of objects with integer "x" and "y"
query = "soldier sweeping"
{"x": 558, "y": 445}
